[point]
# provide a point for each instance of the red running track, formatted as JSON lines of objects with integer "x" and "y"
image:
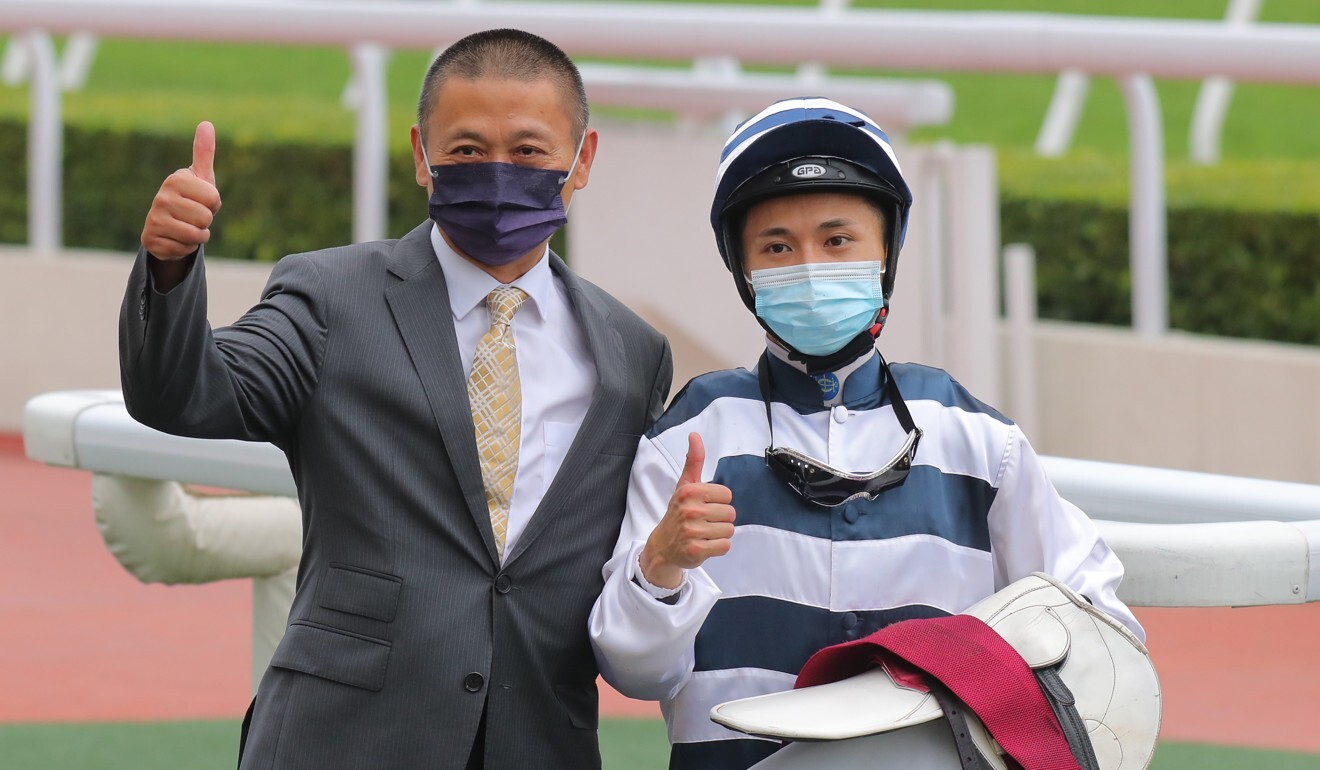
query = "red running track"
{"x": 84, "y": 641}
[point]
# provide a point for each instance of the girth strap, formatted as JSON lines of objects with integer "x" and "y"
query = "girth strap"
{"x": 974, "y": 663}
{"x": 955, "y": 713}
{"x": 1070, "y": 719}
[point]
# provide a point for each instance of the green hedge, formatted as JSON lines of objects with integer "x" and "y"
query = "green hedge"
{"x": 278, "y": 198}
{"x": 1236, "y": 273}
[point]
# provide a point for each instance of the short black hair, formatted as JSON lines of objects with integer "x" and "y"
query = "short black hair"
{"x": 511, "y": 54}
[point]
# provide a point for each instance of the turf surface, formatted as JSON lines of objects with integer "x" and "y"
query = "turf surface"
{"x": 626, "y": 744}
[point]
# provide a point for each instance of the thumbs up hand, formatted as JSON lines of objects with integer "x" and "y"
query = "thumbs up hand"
{"x": 181, "y": 213}
{"x": 697, "y": 525}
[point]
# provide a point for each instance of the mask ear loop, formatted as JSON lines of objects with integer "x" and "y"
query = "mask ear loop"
{"x": 577, "y": 154}
{"x": 429, "y": 168}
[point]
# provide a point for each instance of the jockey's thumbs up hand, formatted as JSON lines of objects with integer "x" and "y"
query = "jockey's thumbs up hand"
{"x": 697, "y": 525}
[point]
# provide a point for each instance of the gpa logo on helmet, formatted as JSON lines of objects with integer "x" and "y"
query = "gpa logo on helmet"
{"x": 808, "y": 171}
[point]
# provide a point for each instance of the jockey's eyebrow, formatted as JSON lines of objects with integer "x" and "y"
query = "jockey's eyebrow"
{"x": 834, "y": 224}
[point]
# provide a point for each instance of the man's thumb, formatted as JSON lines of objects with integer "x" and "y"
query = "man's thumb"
{"x": 203, "y": 159}
{"x": 696, "y": 459}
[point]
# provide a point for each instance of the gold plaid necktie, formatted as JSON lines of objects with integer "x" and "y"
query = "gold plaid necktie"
{"x": 495, "y": 395}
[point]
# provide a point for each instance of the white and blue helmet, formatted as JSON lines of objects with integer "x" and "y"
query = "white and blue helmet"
{"x": 807, "y": 144}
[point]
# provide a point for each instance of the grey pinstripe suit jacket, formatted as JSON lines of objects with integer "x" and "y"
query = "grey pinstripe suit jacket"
{"x": 404, "y": 623}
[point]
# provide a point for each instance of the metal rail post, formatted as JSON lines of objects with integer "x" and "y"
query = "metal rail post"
{"x": 1056, "y": 132}
{"x": 1216, "y": 92}
{"x": 45, "y": 145}
{"x": 973, "y": 196}
{"x": 1020, "y": 304}
{"x": 1147, "y": 231}
{"x": 370, "y": 143}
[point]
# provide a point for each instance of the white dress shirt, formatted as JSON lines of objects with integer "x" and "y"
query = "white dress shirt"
{"x": 554, "y": 365}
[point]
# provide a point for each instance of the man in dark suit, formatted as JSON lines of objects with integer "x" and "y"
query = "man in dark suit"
{"x": 460, "y": 412}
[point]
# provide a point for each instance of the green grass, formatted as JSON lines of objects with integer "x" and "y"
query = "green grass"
{"x": 626, "y": 744}
{"x": 1192, "y": 756}
{"x": 154, "y": 746}
{"x": 251, "y": 92}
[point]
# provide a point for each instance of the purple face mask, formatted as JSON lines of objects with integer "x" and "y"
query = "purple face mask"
{"x": 497, "y": 212}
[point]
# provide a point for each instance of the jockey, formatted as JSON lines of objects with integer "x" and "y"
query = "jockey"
{"x": 827, "y": 493}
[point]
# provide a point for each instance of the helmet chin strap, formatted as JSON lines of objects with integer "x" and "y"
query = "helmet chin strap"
{"x": 857, "y": 347}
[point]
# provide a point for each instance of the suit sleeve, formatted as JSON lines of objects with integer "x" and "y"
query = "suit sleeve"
{"x": 1033, "y": 529}
{"x": 246, "y": 381}
{"x": 643, "y": 645}
{"x": 664, "y": 378}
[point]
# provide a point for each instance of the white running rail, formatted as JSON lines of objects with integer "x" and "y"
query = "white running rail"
{"x": 1187, "y": 539}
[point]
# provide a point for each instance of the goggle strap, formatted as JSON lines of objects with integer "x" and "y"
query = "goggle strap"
{"x": 900, "y": 406}
{"x": 763, "y": 380}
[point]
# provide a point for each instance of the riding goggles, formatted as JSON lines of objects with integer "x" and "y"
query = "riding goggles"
{"x": 822, "y": 484}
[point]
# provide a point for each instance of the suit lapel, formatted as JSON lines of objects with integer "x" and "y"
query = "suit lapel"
{"x": 606, "y": 348}
{"x": 420, "y": 306}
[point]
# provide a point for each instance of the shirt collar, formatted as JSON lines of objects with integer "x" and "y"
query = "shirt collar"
{"x": 468, "y": 284}
{"x": 857, "y": 384}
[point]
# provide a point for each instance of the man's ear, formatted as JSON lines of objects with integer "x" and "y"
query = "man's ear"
{"x": 586, "y": 156}
{"x": 423, "y": 171}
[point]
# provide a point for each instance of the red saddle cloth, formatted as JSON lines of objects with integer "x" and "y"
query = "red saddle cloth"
{"x": 973, "y": 662}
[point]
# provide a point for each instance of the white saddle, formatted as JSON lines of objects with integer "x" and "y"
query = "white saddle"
{"x": 1105, "y": 667}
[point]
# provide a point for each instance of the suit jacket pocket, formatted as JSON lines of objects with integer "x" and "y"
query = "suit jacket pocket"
{"x": 332, "y": 654}
{"x": 362, "y": 592}
{"x": 582, "y": 702}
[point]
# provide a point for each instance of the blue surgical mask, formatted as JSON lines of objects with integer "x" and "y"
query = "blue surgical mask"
{"x": 817, "y": 308}
{"x": 497, "y": 212}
